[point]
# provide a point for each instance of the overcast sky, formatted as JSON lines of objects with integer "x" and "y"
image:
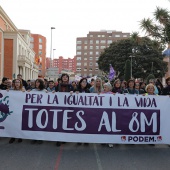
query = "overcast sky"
{"x": 75, "y": 18}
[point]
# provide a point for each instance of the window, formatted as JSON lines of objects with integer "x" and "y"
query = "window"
{"x": 40, "y": 40}
{"x": 109, "y": 41}
{"x": 91, "y": 35}
{"x": 97, "y": 53}
{"x": 98, "y": 35}
{"x": 97, "y": 41}
{"x": 102, "y": 35}
{"x": 90, "y": 58}
{"x": 78, "y": 58}
{"x": 85, "y": 42}
{"x": 85, "y": 47}
{"x": 78, "y": 69}
{"x": 97, "y": 47}
{"x": 91, "y": 53}
{"x": 96, "y": 64}
{"x": 90, "y": 69}
{"x": 85, "y": 58}
{"x": 91, "y": 41}
{"x": 117, "y": 35}
{"x": 40, "y": 46}
{"x": 90, "y": 64}
{"x": 78, "y": 47}
{"x": 85, "y": 69}
{"x": 85, "y": 53}
{"x": 31, "y": 45}
{"x": 78, "y": 64}
{"x": 103, "y": 41}
{"x": 32, "y": 39}
{"x": 78, "y": 53}
{"x": 97, "y": 58}
{"x": 124, "y": 35}
{"x": 85, "y": 64}
{"x": 91, "y": 47}
{"x": 102, "y": 47}
{"x": 78, "y": 42}
{"x": 96, "y": 69}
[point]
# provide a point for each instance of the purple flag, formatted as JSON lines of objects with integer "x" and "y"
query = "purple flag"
{"x": 111, "y": 73}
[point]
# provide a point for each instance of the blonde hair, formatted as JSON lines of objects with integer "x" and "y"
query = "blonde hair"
{"x": 96, "y": 90}
{"x": 108, "y": 85}
{"x": 149, "y": 85}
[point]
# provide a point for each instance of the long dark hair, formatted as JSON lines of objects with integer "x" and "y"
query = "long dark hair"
{"x": 79, "y": 85}
{"x": 42, "y": 85}
{"x": 64, "y": 74}
{"x": 131, "y": 80}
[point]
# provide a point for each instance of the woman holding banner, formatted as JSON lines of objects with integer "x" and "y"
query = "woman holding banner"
{"x": 131, "y": 87}
{"x": 97, "y": 87}
{"x": 17, "y": 86}
{"x": 107, "y": 89}
{"x": 64, "y": 86}
{"x": 39, "y": 86}
{"x": 82, "y": 88}
{"x": 117, "y": 87}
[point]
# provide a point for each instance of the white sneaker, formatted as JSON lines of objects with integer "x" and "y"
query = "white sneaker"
{"x": 110, "y": 145}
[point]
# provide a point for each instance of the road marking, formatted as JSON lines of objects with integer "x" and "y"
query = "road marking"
{"x": 59, "y": 157}
{"x": 97, "y": 158}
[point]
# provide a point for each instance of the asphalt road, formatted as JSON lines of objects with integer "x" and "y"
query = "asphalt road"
{"x": 70, "y": 156}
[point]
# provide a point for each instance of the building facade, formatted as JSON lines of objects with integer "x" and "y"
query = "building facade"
{"x": 38, "y": 44}
{"x": 16, "y": 56}
{"x": 48, "y": 61}
{"x": 65, "y": 64}
{"x": 88, "y": 50}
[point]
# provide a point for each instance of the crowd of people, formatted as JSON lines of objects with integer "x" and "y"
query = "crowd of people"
{"x": 99, "y": 86}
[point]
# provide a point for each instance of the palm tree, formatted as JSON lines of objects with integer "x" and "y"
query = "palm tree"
{"x": 158, "y": 27}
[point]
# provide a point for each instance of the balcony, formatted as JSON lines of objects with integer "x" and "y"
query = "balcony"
{"x": 22, "y": 59}
{"x": 36, "y": 66}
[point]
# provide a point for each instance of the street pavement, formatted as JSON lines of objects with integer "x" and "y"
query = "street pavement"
{"x": 70, "y": 156}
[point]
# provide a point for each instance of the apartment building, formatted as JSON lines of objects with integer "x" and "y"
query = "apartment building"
{"x": 65, "y": 64}
{"x": 38, "y": 44}
{"x": 88, "y": 50}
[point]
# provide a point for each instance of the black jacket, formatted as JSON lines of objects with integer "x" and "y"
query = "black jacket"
{"x": 80, "y": 90}
{"x": 3, "y": 87}
{"x": 166, "y": 90}
{"x": 66, "y": 87}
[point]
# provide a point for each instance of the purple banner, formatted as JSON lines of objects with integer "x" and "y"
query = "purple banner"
{"x": 91, "y": 120}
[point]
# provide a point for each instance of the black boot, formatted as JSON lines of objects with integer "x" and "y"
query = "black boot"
{"x": 12, "y": 140}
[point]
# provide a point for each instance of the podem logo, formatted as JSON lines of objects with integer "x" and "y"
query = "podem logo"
{"x": 4, "y": 108}
{"x": 123, "y": 138}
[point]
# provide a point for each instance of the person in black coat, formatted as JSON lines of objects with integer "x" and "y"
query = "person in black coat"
{"x": 83, "y": 86}
{"x": 24, "y": 83}
{"x": 64, "y": 86}
{"x": 3, "y": 85}
{"x": 166, "y": 90}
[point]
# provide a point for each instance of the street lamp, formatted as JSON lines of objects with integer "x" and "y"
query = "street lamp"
{"x": 53, "y": 53}
{"x": 51, "y": 47}
{"x": 133, "y": 51}
{"x": 131, "y": 64}
{"x": 52, "y": 59}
